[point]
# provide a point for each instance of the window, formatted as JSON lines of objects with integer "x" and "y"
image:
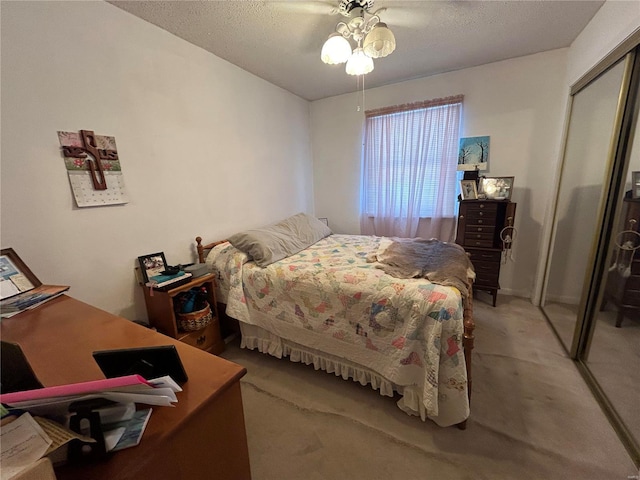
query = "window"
{"x": 409, "y": 169}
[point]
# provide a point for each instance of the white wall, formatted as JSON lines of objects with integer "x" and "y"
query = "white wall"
{"x": 206, "y": 148}
{"x": 519, "y": 103}
{"x": 614, "y": 22}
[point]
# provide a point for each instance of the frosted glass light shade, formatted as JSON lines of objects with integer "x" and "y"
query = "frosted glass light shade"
{"x": 336, "y": 49}
{"x": 359, "y": 63}
{"x": 379, "y": 42}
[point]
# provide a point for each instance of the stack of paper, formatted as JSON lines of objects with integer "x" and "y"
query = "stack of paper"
{"x": 127, "y": 389}
{"x": 25, "y": 439}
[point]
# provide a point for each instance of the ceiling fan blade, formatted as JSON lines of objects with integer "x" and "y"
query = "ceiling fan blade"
{"x": 416, "y": 17}
{"x": 314, "y": 8}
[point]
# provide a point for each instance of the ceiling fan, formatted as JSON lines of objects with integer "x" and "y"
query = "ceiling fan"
{"x": 372, "y": 37}
{"x": 363, "y": 26}
{"x": 401, "y": 13}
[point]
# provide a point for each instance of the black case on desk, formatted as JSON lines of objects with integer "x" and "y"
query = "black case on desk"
{"x": 148, "y": 362}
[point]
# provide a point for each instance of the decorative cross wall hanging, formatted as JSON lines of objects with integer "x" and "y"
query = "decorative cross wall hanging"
{"x": 94, "y": 168}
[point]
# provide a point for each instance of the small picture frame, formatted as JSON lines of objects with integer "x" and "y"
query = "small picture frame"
{"x": 152, "y": 265}
{"x": 635, "y": 185}
{"x": 497, "y": 188}
{"x": 468, "y": 189}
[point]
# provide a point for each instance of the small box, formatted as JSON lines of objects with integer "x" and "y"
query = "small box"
{"x": 197, "y": 269}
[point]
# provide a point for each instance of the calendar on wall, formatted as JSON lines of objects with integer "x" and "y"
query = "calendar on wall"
{"x": 94, "y": 169}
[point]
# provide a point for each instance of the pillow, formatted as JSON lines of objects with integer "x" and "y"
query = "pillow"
{"x": 274, "y": 242}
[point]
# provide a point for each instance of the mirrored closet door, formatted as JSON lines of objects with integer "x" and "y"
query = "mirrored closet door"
{"x": 591, "y": 294}
{"x": 613, "y": 353}
{"x": 585, "y": 166}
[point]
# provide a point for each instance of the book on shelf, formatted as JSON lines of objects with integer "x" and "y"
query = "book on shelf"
{"x": 160, "y": 281}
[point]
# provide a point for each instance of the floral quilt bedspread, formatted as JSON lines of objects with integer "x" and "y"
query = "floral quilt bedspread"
{"x": 329, "y": 298}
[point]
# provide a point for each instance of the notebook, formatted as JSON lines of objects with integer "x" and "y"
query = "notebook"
{"x": 148, "y": 362}
{"x": 16, "y": 374}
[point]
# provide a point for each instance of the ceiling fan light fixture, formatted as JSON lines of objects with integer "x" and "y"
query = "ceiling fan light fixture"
{"x": 379, "y": 42}
{"x": 336, "y": 49}
{"x": 359, "y": 63}
{"x": 365, "y": 26}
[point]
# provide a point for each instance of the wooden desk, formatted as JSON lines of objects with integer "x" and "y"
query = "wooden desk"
{"x": 202, "y": 437}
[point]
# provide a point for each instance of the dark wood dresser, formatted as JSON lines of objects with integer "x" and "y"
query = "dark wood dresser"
{"x": 623, "y": 286}
{"x": 480, "y": 223}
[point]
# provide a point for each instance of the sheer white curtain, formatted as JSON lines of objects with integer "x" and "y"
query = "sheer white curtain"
{"x": 409, "y": 163}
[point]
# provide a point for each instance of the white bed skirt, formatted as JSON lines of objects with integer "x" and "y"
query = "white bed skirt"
{"x": 255, "y": 337}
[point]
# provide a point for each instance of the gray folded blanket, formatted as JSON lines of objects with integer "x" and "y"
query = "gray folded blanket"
{"x": 439, "y": 262}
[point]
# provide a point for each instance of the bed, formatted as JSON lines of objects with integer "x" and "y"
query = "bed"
{"x": 341, "y": 304}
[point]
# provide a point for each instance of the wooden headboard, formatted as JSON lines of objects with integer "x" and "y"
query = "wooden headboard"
{"x": 201, "y": 249}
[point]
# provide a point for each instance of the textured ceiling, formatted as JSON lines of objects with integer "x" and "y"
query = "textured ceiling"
{"x": 281, "y": 41}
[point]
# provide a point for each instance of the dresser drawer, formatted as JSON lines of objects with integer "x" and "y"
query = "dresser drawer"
{"x": 631, "y": 298}
{"x": 481, "y": 217}
{"x": 470, "y": 237}
{"x": 480, "y": 228}
{"x": 482, "y": 221}
{"x": 482, "y": 207}
{"x": 487, "y": 279}
{"x": 486, "y": 267}
{"x": 484, "y": 256}
{"x": 633, "y": 283}
{"x": 480, "y": 243}
{"x": 204, "y": 338}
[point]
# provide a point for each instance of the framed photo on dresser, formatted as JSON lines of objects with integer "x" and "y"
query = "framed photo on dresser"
{"x": 497, "y": 188}
{"x": 468, "y": 189}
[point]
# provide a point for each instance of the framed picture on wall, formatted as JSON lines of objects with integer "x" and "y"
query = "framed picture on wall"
{"x": 635, "y": 184}
{"x": 468, "y": 189}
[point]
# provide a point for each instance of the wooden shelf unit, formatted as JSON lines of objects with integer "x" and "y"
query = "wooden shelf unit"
{"x": 161, "y": 311}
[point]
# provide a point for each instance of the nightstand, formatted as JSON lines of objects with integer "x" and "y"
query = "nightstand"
{"x": 161, "y": 310}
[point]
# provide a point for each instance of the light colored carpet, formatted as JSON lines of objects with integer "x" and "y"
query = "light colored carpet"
{"x": 532, "y": 416}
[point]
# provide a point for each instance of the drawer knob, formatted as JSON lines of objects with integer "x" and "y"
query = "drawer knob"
{"x": 482, "y": 205}
{"x": 461, "y": 217}
{"x": 479, "y": 221}
{"x": 481, "y": 214}
{"x": 478, "y": 236}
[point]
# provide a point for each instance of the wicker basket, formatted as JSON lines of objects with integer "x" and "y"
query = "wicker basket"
{"x": 192, "y": 321}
